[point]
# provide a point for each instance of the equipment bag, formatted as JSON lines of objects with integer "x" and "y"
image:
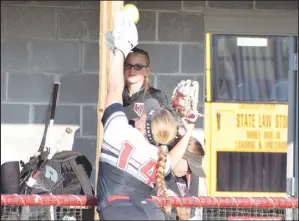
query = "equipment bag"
{"x": 76, "y": 171}
{"x": 67, "y": 172}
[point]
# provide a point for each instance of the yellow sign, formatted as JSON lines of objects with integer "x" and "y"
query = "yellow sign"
{"x": 250, "y": 127}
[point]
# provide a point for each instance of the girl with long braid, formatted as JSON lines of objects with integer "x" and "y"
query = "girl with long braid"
{"x": 133, "y": 160}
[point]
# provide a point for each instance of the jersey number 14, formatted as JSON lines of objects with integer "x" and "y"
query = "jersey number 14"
{"x": 148, "y": 169}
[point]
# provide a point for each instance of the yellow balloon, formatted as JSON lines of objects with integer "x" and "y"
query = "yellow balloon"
{"x": 132, "y": 11}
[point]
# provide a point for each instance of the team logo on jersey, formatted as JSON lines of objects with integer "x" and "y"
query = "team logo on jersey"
{"x": 139, "y": 108}
{"x": 182, "y": 188}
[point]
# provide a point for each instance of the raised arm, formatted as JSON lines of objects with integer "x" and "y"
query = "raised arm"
{"x": 121, "y": 40}
{"x": 115, "y": 79}
{"x": 178, "y": 151}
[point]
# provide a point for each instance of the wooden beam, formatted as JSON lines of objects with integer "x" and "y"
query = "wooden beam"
{"x": 107, "y": 12}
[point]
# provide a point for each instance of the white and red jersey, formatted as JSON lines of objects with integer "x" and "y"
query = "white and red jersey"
{"x": 127, "y": 150}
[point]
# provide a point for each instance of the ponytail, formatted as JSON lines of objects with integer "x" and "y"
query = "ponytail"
{"x": 160, "y": 177}
{"x": 163, "y": 129}
{"x": 146, "y": 82}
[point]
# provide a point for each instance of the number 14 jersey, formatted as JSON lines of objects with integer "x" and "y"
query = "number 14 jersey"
{"x": 127, "y": 151}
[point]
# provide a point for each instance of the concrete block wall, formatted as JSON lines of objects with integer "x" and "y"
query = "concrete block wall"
{"x": 43, "y": 38}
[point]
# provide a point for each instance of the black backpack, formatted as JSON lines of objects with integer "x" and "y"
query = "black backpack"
{"x": 67, "y": 172}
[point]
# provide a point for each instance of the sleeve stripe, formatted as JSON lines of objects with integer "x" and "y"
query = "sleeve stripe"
{"x": 110, "y": 110}
{"x": 113, "y": 116}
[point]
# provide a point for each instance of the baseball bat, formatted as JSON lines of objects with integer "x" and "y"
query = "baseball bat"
{"x": 48, "y": 148}
{"x": 49, "y": 141}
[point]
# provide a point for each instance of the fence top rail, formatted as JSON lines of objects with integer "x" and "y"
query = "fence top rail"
{"x": 200, "y": 201}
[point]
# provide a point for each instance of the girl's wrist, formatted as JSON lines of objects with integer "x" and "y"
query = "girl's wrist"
{"x": 188, "y": 133}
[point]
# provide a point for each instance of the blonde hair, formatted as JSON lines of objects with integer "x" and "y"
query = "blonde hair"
{"x": 147, "y": 84}
{"x": 164, "y": 130}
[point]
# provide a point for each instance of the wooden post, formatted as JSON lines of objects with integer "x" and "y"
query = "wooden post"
{"x": 107, "y": 11}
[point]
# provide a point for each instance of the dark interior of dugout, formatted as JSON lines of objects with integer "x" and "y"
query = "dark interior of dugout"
{"x": 251, "y": 172}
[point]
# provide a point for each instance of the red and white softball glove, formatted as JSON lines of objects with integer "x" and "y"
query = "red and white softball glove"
{"x": 185, "y": 99}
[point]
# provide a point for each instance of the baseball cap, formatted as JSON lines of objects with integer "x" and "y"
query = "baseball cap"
{"x": 195, "y": 163}
{"x": 150, "y": 104}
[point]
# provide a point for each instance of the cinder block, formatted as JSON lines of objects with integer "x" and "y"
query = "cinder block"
{"x": 159, "y": 5}
{"x": 44, "y": 23}
{"x": 194, "y": 5}
{"x": 79, "y": 89}
{"x": 18, "y": 22}
{"x": 91, "y": 4}
{"x": 193, "y": 58}
{"x": 14, "y": 113}
{"x": 169, "y": 82}
{"x": 14, "y": 56}
{"x": 30, "y": 88}
{"x": 64, "y": 114}
{"x": 91, "y": 24}
{"x": 147, "y": 26}
{"x": 3, "y": 13}
{"x": 164, "y": 58}
{"x": 29, "y": 22}
{"x": 73, "y": 4}
{"x": 3, "y": 86}
{"x": 153, "y": 80}
{"x": 277, "y": 5}
{"x": 78, "y": 24}
{"x": 129, "y": 1}
{"x": 91, "y": 57}
{"x": 15, "y": 2}
{"x": 232, "y": 4}
{"x": 55, "y": 56}
{"x": 90, "y": 121}
{"x": 86, "y": 147}
{"x": 184, "y": 27}
{"x": 70, "y": 24}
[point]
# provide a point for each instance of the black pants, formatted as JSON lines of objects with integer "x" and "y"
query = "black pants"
{"x": 129, "y": 210}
